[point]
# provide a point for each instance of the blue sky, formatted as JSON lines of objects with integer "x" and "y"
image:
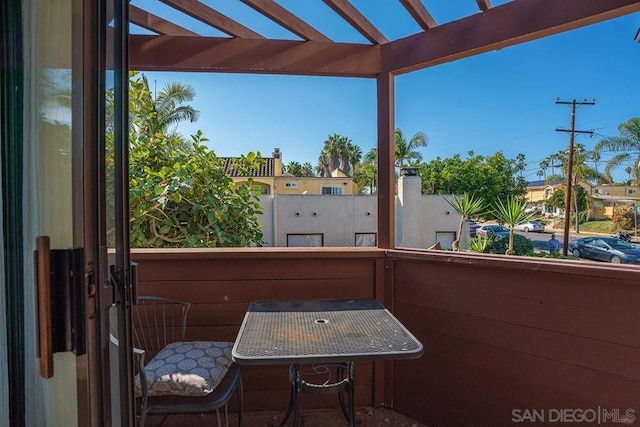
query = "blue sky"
{"x": 498, "y": 101}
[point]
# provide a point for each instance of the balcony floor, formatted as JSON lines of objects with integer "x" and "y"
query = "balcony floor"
{"x": 370, "y": 417}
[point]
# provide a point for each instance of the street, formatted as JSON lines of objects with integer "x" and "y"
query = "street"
{"x": 539, "y": 240}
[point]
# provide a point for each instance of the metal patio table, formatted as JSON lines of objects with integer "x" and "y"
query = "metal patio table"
{"x": 335, "y": 332}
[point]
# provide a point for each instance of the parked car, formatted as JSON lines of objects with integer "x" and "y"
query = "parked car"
{"x": 530, "y": 226}
{"x": 492, "y": 230}
{"x": 607, "y": 249}
{"x": 473, "y": 228}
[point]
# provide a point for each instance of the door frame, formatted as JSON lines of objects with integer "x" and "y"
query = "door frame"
{"x": 11, "y": 138}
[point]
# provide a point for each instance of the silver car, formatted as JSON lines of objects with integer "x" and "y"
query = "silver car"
{"x": 492, "y": 230}
{"x": 530, "y": 226}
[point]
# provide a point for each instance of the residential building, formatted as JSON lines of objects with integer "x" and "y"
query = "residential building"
{"x": 605, "y": 198}
{"x": 351, "y": 220}
{"x": 271, "y": 180}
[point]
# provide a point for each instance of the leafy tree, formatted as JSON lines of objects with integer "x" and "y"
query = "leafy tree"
{"x": 181, "y": 197}
{"x": 366, "y": 174}
{"x": 494, "y": 177}
{"x": 466, "y": 206}
{"x": 179, "y": 193}
{"x": 556, "y": 200}
{"x": 623, "y": 218}
{"x": 511, "y": 212}
{"x": 627, "y": 145}
{"x": 408, "y": 150}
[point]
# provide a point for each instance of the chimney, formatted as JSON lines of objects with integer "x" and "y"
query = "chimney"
{"x": 277, "y": 162}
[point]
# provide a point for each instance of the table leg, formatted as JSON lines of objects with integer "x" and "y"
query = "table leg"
{"x": 294, "y": 398}
{"x": 350, "y": 411}
{"x": 346, "y": 386}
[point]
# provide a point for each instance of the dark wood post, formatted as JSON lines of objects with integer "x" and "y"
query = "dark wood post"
{"x": 386, "y": 161}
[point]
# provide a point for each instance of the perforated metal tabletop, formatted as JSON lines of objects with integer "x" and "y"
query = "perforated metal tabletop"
{"x": 321, "y": 331}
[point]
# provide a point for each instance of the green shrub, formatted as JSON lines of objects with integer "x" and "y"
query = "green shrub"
{"x": 623, "y": 218}
{"x": 521, "y": 246}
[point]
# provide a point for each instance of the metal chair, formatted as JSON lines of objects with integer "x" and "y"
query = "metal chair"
{"x": 159, "y": 326}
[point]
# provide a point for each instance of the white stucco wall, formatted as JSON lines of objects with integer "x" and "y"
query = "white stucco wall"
{"x": 338, "y": 218}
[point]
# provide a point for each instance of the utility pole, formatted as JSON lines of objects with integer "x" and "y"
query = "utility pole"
{"x": 567, "y": 201}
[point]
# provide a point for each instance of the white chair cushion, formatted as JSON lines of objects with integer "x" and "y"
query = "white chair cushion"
{"x": 191, "y": 368}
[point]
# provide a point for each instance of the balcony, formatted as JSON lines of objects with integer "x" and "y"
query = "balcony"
{"x": 503, "y": 336}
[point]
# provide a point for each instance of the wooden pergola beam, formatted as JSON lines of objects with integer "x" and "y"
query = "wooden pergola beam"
{"x": 499, "y": 27}
{"x": 155, "y": 23}
{"x": 286, "y": 19}
{"x": 260, "y": 56}
{"x": 357, "y": 20}
{"x": 212, "y": 17}
{"x": 484, "y": 5}
{"x": 421, "y": 15}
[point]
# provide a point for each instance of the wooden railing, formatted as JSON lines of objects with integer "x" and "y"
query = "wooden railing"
{"x": 501, "y": 335}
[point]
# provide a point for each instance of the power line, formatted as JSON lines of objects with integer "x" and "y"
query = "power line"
{"x": 567, "y": 201}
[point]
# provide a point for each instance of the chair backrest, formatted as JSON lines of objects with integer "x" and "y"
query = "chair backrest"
{"x": 158, "y": 322}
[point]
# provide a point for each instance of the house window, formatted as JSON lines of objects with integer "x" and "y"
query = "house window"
{"x": 290, "y": 185}
{"x": 366, "y": 240}
{"x": 632, "y": 191}
{"x": 596, "y": 191}
{"x": 332, "y": 191}
{"x": 305, "y": 240}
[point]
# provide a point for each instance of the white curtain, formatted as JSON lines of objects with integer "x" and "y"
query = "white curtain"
{"x": 47, "y": 190}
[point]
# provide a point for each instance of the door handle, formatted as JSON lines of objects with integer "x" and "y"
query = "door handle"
{"x": 45, "y": 325}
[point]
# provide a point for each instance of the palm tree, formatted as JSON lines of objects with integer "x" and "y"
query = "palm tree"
{"x": 307, "y": 169}
{"x": 293, "y": 168}
{"x": 628, "y": 170}
{"x": 627, "y": 145}
{"x": 354, "y": 155}
{"x": 581, "y": 172}
{"x": 408, "y": 150}
{"x": 169, "y": 108}
{"x": 338, "y": 152}
{"x": 466, "y": 206}
{"x": 511, "y": 212}
{"x": 544, "y": 165}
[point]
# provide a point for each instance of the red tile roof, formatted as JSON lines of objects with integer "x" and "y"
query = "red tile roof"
{"x": 267, "y": 169}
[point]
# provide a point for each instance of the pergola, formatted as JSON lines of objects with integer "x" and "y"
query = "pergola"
{"x": 175, "y": 48}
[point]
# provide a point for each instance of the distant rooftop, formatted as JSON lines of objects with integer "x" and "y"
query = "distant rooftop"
{"x": 267, "y": 169}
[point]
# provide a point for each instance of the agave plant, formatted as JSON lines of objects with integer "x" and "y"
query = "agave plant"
{"x": 466, "y": 206}
{"x": 478, "y": 244}
{"x": 511, "y": 212}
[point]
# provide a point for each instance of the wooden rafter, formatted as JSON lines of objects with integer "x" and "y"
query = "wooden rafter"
{"x": 484, "y": 4}
{"x": 417, "y": 10}
{"x": 282, "y": 16}
{"x": 357, "y": 20}
{"x": 155, "y": 23}
{"x": 261, "y": 56}
{"x": 209, "y": 16}
{"x": 497, "y": 28}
